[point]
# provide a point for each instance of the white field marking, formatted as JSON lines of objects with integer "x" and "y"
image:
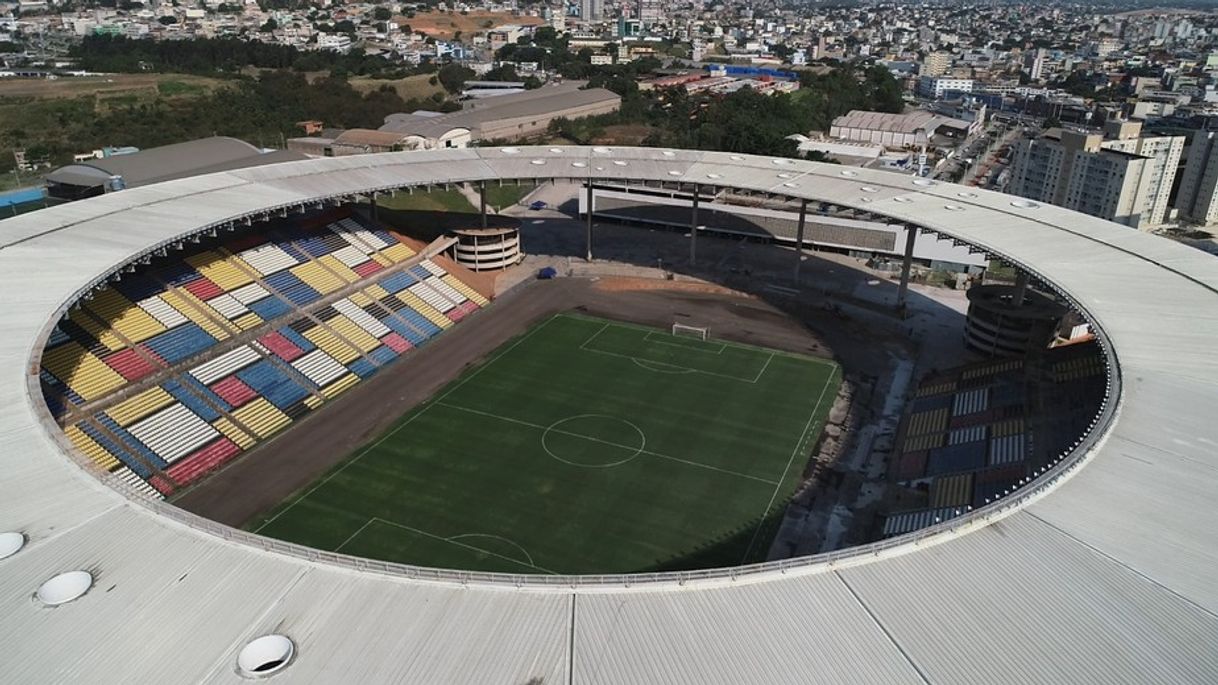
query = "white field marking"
{"x": 352, "y": 536}
{"x": 405, "y": 423}
{"x": 500, "y": 538}
{"x": 583, "y": 345}
{"x": 693, "y": 348}
{"x": 612, "y": 444}
{"x": 475, "y": 548}
{"x": 651, "y": 366}
{"x": 552, "y": 429}
{"x": 677, "y": 366}
{"x": 767, "y": 365}
{"x": 803, "y": 438}
{"x": 726, "y": 343}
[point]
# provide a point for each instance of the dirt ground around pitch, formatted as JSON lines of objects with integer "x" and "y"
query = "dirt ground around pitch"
{"x": 284, "y": 465}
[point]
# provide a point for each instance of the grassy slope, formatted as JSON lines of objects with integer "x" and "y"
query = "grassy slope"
{"x": 417, "y": 86}
{"x": 435, "y": 201}
{"x": 465, "y": 481}
{"x": 506, "y": 195}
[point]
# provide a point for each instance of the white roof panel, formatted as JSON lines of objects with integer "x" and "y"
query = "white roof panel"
{"x": 1107, "y": 576}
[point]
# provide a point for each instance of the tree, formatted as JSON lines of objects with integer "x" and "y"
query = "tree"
{"x": 454, "y": 76}
{"x": 269, "y": 26}
{"x": 167, "y": 19}
{"x": 382, "y": 14}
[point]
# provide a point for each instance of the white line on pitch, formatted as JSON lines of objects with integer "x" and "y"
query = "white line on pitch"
{"x": 692, "y": 348}
{"x": 795, "y": 452}
{"x": 475, "y": 548}
{"x": 767, "y": 365}
{"x": 352, "y": 536}
{"x": 423, "y": 409}
{"x": 607, "y": 442}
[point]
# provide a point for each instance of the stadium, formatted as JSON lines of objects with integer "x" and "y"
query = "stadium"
{"x": 157, "y": 334}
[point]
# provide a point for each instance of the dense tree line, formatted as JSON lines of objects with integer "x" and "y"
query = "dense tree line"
{"x": 219, "y": 55}
{"x": 743, "y": 121}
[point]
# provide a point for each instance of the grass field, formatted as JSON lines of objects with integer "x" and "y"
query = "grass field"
{"x": 450, "y": 200}
{"x": 583, "y": 446}
{"x": 417, "y": 86}
{"x": 504, "y": 196}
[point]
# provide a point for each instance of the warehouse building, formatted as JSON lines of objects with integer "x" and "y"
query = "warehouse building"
{"x": 507, "y": 117}
{"x": 193, "y": 158}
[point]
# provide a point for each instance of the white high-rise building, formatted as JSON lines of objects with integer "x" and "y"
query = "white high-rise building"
{"x": 590, "y": 10}
{"x": 1035, "y": 62}
{"x": 1164, "y": 151}
{"x": 1198, "y": 199}
{"x": 1080, "y": 171}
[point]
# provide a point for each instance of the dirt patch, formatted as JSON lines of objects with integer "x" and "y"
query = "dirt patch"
{"x": 447, "y": 24}
{"x": 617, "y": 284}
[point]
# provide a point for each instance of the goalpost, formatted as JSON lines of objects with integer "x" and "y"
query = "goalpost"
{"x": 698, "y": 332}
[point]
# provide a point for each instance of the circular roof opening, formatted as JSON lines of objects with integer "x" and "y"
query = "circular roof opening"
{"x": 923, "y": 182}
{"x": 847, "y": 172}
{"x": 538, "y": 162}
{"x": 785, "y": 175}
{"x": 64, "y": 588}
{"x": 967, "y": 194}
{"x": 870, "y": 189}
{"x": 669, "y": 153}
{"x": 1024, "y": 204}
{"x": 556, "y": 150}
{"x": 737, "y": 158}
{"x": 902, "y": 200}
{"x": 864, "y": 199}
{"x": 781, "y": 162}
{"x": 953, "y": 208}
{"x": 601, "y": 150}
{"x": 265, "y": 655}
{"x": 674, "y": 173}
{"x": 618, "y": 162}
{"x": 509, "y": 150}
{"x": 791, "y": 184}
{"x": 10, "y": 544}
{"x": 714, "y": 175}
{"x": 579, "y": 165}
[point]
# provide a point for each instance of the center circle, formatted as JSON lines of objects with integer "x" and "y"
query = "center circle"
{"x": 595, "y": 441}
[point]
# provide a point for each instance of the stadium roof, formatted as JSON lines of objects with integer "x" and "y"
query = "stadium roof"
{"x": 1103, "y": 573}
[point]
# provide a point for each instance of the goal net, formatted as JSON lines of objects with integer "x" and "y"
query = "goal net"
{"x": 698, "y": 332}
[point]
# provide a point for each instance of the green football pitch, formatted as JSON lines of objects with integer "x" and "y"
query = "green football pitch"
{"x": 582, "y": 446}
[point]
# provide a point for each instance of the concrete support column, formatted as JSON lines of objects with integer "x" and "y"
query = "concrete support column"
{"x": 588, "y": 237}
{"x": 1021, "y": 289}
{"x": 693, "y": 228}
{"x": 907, "y": 261}
{"x": 482, "y": 201}
{"x": 373, "y": 206}
{"x": 799, "y": 237}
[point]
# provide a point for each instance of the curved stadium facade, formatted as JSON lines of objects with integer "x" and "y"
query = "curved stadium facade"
{"x": 1099, "y": 570}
